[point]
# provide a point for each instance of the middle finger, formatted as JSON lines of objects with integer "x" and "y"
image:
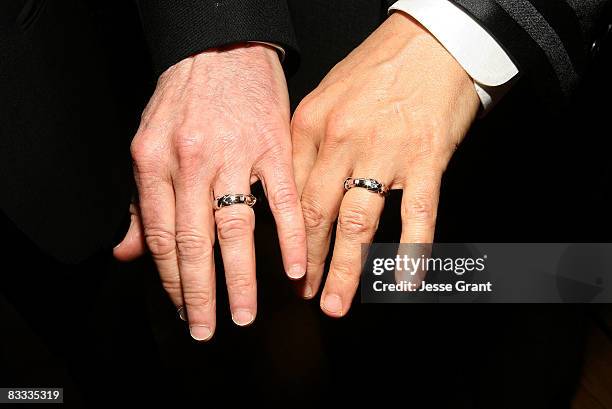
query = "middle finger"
{"x": 194, "y": 246}
{"x": 321, "y": 200}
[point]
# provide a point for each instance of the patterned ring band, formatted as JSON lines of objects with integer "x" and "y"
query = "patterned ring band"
{"x": 372, "y": 185}
{"x": 234, "y": 198}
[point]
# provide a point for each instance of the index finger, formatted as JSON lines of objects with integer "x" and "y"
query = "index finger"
{"x": 287, "y": 211}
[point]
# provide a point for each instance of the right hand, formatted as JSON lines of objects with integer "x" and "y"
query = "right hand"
{"x": 216, "y": 123}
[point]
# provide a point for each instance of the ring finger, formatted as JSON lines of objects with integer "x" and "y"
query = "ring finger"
{"x": 357, "y": 223}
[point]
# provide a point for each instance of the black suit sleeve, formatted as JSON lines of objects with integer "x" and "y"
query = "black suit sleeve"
{"x": 550, "y": 41}
{"x": 177, "y": 29}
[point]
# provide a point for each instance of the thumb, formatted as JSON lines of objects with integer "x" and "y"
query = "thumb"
{"x": 133, "y": 245}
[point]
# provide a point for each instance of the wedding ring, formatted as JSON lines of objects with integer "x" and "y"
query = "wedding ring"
{"x": 234, "y": 198}
{"x": 371, "y": 185}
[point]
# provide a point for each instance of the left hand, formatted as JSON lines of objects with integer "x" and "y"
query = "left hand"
{"x": 394, "y": 110}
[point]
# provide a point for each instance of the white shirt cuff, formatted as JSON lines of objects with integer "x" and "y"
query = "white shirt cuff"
{"x": 470, "y": 44}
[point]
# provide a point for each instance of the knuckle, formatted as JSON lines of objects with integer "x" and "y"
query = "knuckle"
{"x": 196, "y": 296}
{"x": 240, "y": 284}
{"x": 272, "y": 147}
{"x": 160, "y": 242}
{"x": 188, "y": 144}
{"x": 233, "y": 226}
{"x": 304, "y": 117}
{"x": 295, "y": 237}
{"x": 149, "y": 162}
{"x": 316, "y": 262}
{"x": 171, "y": 286}
{"x": 339, "y": 127}
{"x": 377, "y": 137}
{"x": 314, "y": 216}
{"x": 429, "y": 141}
{"x": 284, "y": 197}
{"x": 355, "y": 221}
{"x": 144, "y": 148}
{"x": 423, "y": 146}
{"x": 420, "y": 209}
{"x": 192, "y": 246}
{"x": 344, "y": 274}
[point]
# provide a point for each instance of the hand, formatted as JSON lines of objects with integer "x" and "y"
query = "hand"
{"x": 216, "y": 123}
{"x": 394, "y": 110}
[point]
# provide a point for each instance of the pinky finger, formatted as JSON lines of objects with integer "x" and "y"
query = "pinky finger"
{"x": 419, "y": 211}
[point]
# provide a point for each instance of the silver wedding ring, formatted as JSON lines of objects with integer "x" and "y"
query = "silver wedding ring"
{"x": 234, "y": 198}
{"x": 371, "y": 185}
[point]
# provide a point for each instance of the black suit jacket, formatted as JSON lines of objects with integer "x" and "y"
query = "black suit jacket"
{"x": 176, "y": 29}
{"x": 64, "y": 132}
{"x": 72, "y": 84}
{"x": 551, "y": 41}
{"x": 74, "y": 76}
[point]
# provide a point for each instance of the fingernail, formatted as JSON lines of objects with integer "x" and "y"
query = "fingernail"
{"x": 182, "y": 313}
{"x": 296, "y": 272}
{"x": 307, "y": 291}
{"x": 332, "y": 303}
{"x": 200, "y": 332}
{"x": 242, "y": 317}
{"x": 117, "y": 246}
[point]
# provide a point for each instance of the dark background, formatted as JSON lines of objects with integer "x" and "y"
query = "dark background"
{"x": 105, "y": 331}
